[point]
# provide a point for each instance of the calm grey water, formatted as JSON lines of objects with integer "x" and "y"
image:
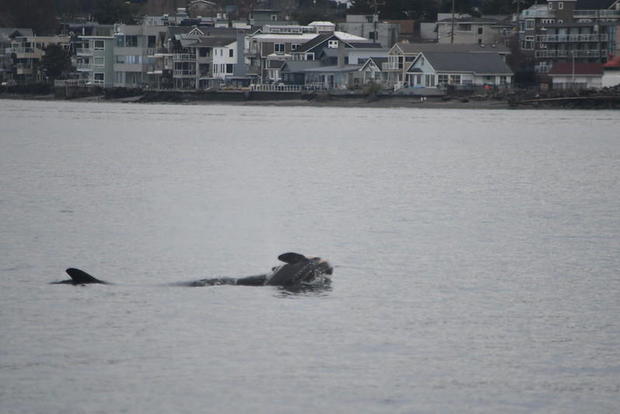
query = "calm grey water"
{"x": 476, "y": 256}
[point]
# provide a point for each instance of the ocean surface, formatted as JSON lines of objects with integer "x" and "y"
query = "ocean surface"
{"x": 476, "y": 254}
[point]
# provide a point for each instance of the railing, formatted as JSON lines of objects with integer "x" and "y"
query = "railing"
{"x": 184, "y": 72}
{"x": 570, "y": 53}
{"x": 535, "y": 13}
{"x": 315, "y": 86}
{"x": 390, "y": 66}
{"x": 84, "y": 52}
{"x": 596, "y": 13}
{"x": 83, "y": 67}
{"x": 20, "y": 50}
{"x": 275, "y": 88}
{"x": 184, "y": 57}
{"x": 573, "y": 38}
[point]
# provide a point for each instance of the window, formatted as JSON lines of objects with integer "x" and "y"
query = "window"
{"x": 442, "y": 79}
{"x": 151, "y": 40}
{"x": 332, "y": 44}
{"x": 464, "y": 27}
{"x": 429, "y": 80}
{"x": 99, "y": 76}
{"x": 550, "y": 5}
{"x": 229, "y": 68}
{"x": 455, "y": 79}
{"x": 99, "y": 60}
{"x": 529, "y": 24}
{"x": 480, "y": 30}
{"x": 99, "y": 44}
{"x": 278, "y": 47}
{"x": 120, "y": 59}
{"x": 294, "y": 46}
{"x": 204, "y": 52}
{"x": 561, "y": 5}
{"x": 373, "y": 35}
{"x": 131, "y": 41}
{"x": 231, "y": 52}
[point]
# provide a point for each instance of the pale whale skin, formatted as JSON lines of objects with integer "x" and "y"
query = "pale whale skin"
{"x": 298, "y": 271}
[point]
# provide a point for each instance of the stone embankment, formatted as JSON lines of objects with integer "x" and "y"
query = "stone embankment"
{"x": 608, "y": 98}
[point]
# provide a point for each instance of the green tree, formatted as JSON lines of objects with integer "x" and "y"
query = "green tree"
{"x": 113, "y": 11}
{"x": 56, "y": 61}
{"x": 40, "y": 15}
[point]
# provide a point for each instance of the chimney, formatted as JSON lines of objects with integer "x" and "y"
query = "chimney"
{"x": 340, "y": 54}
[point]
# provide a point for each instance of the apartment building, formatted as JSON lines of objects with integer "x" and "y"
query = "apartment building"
{"x": 95, "y": 60}
{"x": 134, "y": 50}
{"x": 557, "y": 33}
{"x": 26, "y": 53}
{"x": 369, "y": 26}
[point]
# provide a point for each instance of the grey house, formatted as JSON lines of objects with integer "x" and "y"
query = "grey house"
{"x": 460, "y": 70}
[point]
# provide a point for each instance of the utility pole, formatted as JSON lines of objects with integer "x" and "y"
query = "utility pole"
{"x": 452, "y": 30}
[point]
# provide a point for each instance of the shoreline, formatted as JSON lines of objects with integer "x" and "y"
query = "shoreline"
{"x": 326, "y": 101}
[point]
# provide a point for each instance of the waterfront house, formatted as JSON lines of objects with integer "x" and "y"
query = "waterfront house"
{"x": 401, "y": 55}
{"x": 611, "y": 73}
{"x": 371, "y": 71}
{"x": 333, "y": 77}
{"x": 459, "y": 70}
{"x": 576, "y": 75}
{"x": 293, "y": 72}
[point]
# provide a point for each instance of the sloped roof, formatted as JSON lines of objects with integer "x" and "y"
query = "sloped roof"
{"x": 335, "y": 68}
{"x": 467, "y": 62}
{"x": 275, "y": 64}
{"x": 315, "y": 42}
{"x": 378, "y": 61}
{"x": 6, "y": 32}
{"x": 567, "y": 68}
{"x": 470, "y": 20}
{"x": 349, "y": 39}
{"x": 613, "y": 63}
{"x": 293, "y": 66}
{"x": 447, "y": 47}
{"x": 216, "y": 41}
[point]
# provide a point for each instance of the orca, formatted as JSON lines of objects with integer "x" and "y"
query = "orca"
{"x": 297, "y": 271}
{"x": 79, "y": 277}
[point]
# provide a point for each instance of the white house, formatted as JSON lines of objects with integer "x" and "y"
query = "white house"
{"x": 459, "y": 69}
{"x": 611, "y": 73}
{"x": 569, "y": 75}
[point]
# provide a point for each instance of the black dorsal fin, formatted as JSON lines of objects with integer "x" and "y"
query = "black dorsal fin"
{"x": 291, "y": 258}
{"x": 81, "y": 277}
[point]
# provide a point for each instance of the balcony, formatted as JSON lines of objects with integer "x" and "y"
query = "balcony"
{"x": 184, "y": 73}
{"x": 84, "y": 52}
{"x": 391, "y": 66}
{"x": 597, "y": 13}
{"x": 563, "y": 38}
{"x": 23, "y": 70}
{"x": 184, "y": 57}
{"x": 83, "y": 67}
{"x": 571, "y": 53}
